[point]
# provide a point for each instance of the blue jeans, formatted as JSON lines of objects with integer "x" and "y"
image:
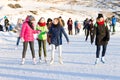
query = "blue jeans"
{"x": 103, "y": 50}
{"x": 18, "y": 40}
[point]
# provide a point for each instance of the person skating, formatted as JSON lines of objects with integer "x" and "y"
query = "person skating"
{"x": 18, "y": 29}
{"x": 27, "y": 37}
{"x": 77, "y": 26}
{"x": 70, "y": 25}
{"x": 42, "y": 37}
{"x": 56, "y": 39}
{"x": 91, "y": 30}
{"x": 102, "y": 37}
{"x": 114, "y": 23}
{"x": 49, "y": 23}
{"x": 86, "y": 25}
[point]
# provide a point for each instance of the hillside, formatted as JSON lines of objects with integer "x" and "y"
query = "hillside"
{"x": 80, "y": 8}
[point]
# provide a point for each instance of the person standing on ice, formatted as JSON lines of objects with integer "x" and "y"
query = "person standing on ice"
{"x": 42, "y": 37}
{"x": 18, "y": 28}
{"x": 27, "y": 37}
{"x": 56, "y": 31}
{"x": 70, "y": 25}
{"x": 49, "y": 23}
{"x": 114, "y": 23}
{"x": 86, "y": 25}
{"x": 90, "y": 31}
{"x": 102, "y": 37}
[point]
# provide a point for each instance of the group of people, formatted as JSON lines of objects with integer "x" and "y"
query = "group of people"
{"x": 100, "y": 31}
{"x": 50, "y": 32}
{"x": 7, "y": 26}
{"x": 77, "y": 26}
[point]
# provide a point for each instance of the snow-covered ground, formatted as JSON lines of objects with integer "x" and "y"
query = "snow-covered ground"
{"x": 78, "y": 56}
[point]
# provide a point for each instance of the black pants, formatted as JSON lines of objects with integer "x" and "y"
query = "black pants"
{"x": 103, "y": 50}
{"x": 87, "y": 34}
{"x": 25, "y": 45}
{"x": 42, "y": 43}
{"x": 91, "y": 37}
{"x": 113, "y": 27}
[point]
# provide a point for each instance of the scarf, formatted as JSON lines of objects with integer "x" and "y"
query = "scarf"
{"x": 42, "y": 24}
{"x": 101, "y": 23}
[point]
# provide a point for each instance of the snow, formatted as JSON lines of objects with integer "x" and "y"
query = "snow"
{"x": 78, "y": 55}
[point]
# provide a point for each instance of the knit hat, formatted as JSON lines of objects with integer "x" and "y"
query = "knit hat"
{"x": 100, "y": 15}
{"x": 5, "y": 17}
{"x": 31, "y": 18}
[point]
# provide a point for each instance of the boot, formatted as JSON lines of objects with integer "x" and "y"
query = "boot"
{"x": 60, "y": 60}
{"x": 23, "y": 61}
{"x": 34, "y": 61}
{"x": 40, "y": 60}
{"x": 97, "y": 60}
{"x": 45, "y": 60}
{"x": 52, "y": 61}
{"x": 103, "y": 60}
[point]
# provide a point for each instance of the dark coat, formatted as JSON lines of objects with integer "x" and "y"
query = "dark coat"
{"x": 56, "y": 34}
{"x": 69, "y": 23}
{"x": 102, "y": 34}
{"x": 1, "y": 27}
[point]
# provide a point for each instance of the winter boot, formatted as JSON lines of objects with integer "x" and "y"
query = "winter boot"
{"x": 60, "y": 60}
{"x": 97, "y": 60}
{"x": 52, "y": 61}
{"x": 23, "y": 61}
{"x": 103, "y": 60}
{"x": 34, "y": 61}
{"x": 40, "y": 60}
{"x": 45, "y": 60}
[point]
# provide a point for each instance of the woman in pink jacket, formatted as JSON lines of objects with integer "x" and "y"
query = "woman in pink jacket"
{"x": 27, "y": 37}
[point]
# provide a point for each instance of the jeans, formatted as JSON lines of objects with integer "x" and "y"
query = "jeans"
{"x": 18, "y": 40}
{"x": 98, "y": 50}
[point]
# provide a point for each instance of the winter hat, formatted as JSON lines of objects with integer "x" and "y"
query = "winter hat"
{"x": 49, "y": 20}
{"x": 5, "y": 17}
{"x": 31, "y": 18}
{"x": 60, "y": 17}
{"x": 100, "y": 15}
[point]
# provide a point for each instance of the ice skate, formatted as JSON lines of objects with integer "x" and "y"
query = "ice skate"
{"x": 34, "y": 61}
{"x": 40, "y": 60}
{"x": 60, "y": 60}
{"x": 97, "y": 61}
{"x": 52, "y": 61}
{"x": 103, "y": 60}
{"x": 45, "y": 60}
{"x": 23, "y": 61}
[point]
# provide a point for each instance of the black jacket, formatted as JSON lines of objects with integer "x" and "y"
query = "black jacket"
{"x": 102, "y": 34}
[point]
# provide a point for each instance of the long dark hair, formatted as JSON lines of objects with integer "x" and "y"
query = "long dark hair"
{"x": 30, "y": 18}
{"x": 31, "y": 25}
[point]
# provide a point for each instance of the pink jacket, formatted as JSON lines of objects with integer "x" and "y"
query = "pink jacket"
{"x": 27, "y": 32}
